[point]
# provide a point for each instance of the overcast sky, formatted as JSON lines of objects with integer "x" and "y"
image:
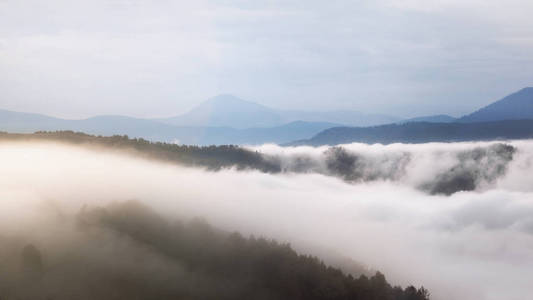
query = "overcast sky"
{"x": 160, "y": 58}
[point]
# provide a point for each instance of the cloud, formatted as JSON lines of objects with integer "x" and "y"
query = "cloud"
{"x": 478, "y": 242}
{"x": 396, "y": 57}
{"x": 462, "y": 167}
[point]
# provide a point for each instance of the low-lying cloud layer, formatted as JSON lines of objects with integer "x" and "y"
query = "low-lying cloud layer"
{"x": 390, "y": 211}
{"x": 433, "y": 168}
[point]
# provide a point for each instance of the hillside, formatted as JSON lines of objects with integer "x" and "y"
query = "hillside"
{"x": 516, "y": 106}
{"x": 172, "y": 259}
{"x": 431, "y": 119}
{"x": 208, "y": 157}
{"x": 423, "y": 132}
{"x": 508, "y": 118}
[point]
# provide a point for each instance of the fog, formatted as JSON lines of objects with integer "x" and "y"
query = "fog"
{"x": 434, "y": 168}
{"x": 391, "y": 208}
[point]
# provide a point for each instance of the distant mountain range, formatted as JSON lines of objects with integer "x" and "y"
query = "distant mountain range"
{"x": 430, "y": 119}
{"x": 158, "y": 131}
{"x": 423, "y": 132}
{"x": 226, "y": 119}
{"x": 508, "y": 118}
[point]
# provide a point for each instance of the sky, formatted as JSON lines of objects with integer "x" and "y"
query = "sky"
{"x": 76, "y": 59}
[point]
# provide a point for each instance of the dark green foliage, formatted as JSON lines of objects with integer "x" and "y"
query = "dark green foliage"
{"x": 210, "y": 157}
{"x": 479, "y": 164}
{"x": 237, "y": 267}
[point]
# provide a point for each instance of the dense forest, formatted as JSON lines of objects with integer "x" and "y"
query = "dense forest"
{"x": 156, "y": 258}
{"x": 210, "y": 157}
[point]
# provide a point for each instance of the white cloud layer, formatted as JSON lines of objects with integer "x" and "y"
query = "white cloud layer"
{"x": 468, "y": 246}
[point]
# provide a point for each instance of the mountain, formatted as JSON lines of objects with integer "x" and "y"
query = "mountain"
{"x": 424, "y": 132}
{"x": 516, "y": 106}
{"x": 253, "y": 136}
{"x": 226, "y": 119}
{"x": 230, "y": 111}
{"x": 508, "y": 118}
{"x": 346, "y": 117}
{"x": 11, "y": 121}
{"x": 431, "y": 119}
{"x": 227, "y": 111}
{"x": 156, "y": 131}
{"x": 28, "y": 122}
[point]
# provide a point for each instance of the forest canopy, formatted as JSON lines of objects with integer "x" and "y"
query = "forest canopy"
{"x": 127, "y": 251}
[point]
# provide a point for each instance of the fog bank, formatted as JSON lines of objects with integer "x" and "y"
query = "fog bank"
{"x": 389, "y": 207}
{"x": 436, "y": 168}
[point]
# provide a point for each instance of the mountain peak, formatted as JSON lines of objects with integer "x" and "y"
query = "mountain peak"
{"x": 227, "y": 110}
{"x": 518, "y": 105}
{"x": 228, "y": 100}
{"x": 224, "y": 98}
{"x": 524, "y": 91}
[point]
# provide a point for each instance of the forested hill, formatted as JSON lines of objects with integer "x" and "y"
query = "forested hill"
{"x": 209, "y": 157}
{"x": 201, "y": 262}
{"x": 172, "y": 259}
{"x": 424, "y": 132}
{"x": 337, "y": 161}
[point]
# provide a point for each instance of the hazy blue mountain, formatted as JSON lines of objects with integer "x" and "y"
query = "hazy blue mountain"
{"x": 230, "y": 111}
{"x": 227, "y": 111}
{"x": 516, "y": 106}
{"x": 508, "y": 118}
{"x": 157, "y": 131}
{"x": 278, "y": 134}
{"x": 424, "y": 132}
{"x": 227, "y": 119}
{"x": 431, "y": 119}
{"x": 249, "y": 136}
{"x": 101, "y": 125}
{"x": 346, "y": 117}
{"x": 28, "y": 122}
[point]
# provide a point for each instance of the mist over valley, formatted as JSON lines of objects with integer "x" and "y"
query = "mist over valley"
{"x": 404, "y": 210}
{"x": 266, "y": 150}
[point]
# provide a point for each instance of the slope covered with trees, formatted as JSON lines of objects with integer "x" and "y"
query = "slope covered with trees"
{"x": 210, "y": 157}
{"x": 130, "y": 252}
